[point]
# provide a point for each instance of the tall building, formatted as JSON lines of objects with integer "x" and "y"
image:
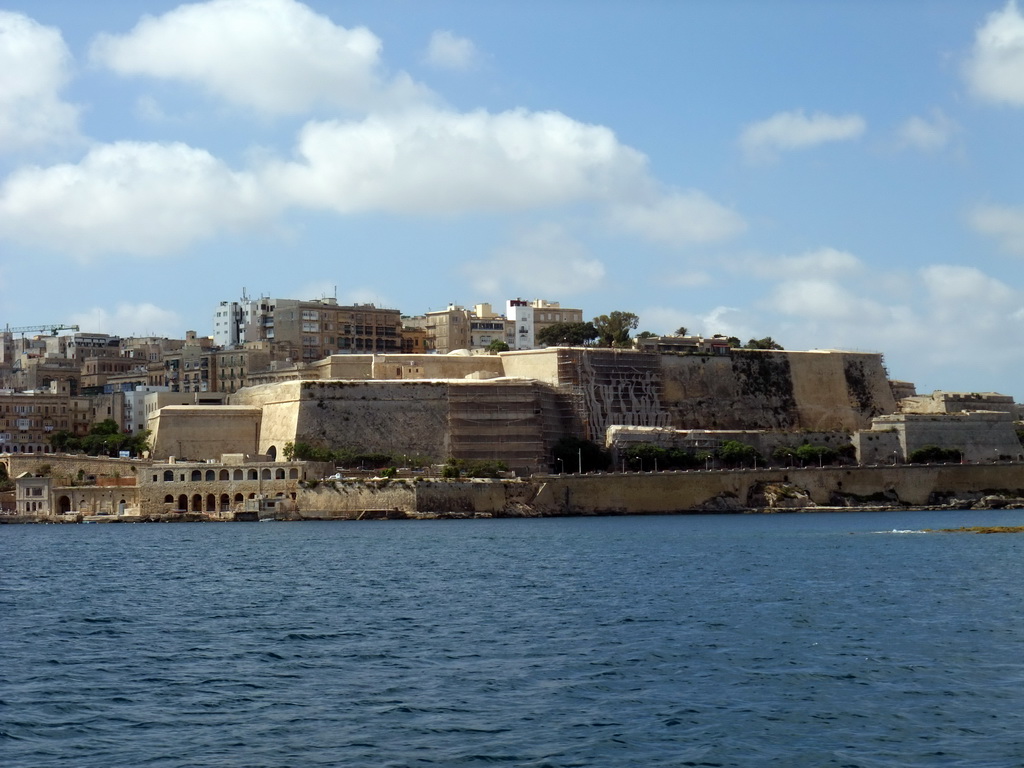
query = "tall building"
{"x": 305, "y": 331}
{"x": 528, "y": 318}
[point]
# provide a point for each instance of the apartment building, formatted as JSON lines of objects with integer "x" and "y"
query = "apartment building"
{"x": 528, "y": 318}
{"x": 304, "y": 331}
{"x": 28, "y": 419}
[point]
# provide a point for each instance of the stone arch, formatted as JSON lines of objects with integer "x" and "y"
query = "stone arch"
{"x": 183, "y": 503}
{"x": 211, "y": 503}
{"x": 224, "y": 475}
{"x": 238, "y": 474}
{"x": 239, "y": 498}
{"x": 197, "y": 502}
{"x": 64, "y": 505}
{"x": 210, "y": 476}
{"x": 266, "y": 474}
{"x": 197, "y": 475}
{"x": 225, "y": 502}
{"x": 254, "y": 475}
{"x": 279, "y": 474}
{"x": 293, "y": 474}
{"x": 272, "y": 452}
{"x": 168, "y": 499}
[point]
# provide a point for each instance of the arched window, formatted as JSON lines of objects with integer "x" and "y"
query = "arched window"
{"x": 239, "y": 498}
{"x": 196, "y": 475}
{"x": 272, "y": 452}
{"x": 238, "y": 475}
{"x": 210, "y": 475}
{"x": 254, "y": 475}
{"x": 168, "y": 499}
{"x": 266, "y": 474}
{"x": 197, "y": 503}
{"x": 211, "y": 503}
{"x": 224, "y": 475}
{"x": 225, "y": 502}
{"x": 64, "y": 505}
{"x": 183, "y": 503}
{"x": 293, "y": 474}
{"x": 279, "y": 474}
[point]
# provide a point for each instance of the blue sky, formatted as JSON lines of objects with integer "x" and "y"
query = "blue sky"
{"x": 831, "y": 174}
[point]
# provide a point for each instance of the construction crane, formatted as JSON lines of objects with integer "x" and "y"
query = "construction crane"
{"x": 51, "y": 329}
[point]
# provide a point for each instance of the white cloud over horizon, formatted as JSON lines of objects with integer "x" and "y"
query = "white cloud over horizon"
{"x": 35, "y": 66}
{"x": 788, "y": 131}
{"x": 542, "y": 261}
{"x": 126, "y": 320}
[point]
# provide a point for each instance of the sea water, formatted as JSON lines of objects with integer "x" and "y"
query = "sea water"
{"x": 743, "y": 640}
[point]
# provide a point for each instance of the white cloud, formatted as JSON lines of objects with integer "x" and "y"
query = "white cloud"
{"x": 448, "y": 51}
{"x": 678, "y": 218}
{"x": 819, "y": 264}
{"x": 954, "y": 288}
{"x": 995, "y": 68}
{"x": 430, "y": 161}
{"x": 1002, "y": 222}
{"x": 818, "y": 299}
{"x": 35, "y": 65}
{"x": 145, "y": 199}
{"x": 277, "y": 56}
{"x": 927, "y": 134}
{"x": 131, "y": 320}
{"x": 544, "y": 261}
{"x": 786, "y": 131}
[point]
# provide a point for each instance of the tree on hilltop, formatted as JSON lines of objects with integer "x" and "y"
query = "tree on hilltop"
{"x": 613, "y": 329}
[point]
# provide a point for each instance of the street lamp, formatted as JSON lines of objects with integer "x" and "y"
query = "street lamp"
{"x": 641, "y": 462}
{"x": 561, "y": 463}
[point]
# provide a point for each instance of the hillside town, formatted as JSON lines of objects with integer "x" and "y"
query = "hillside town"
{"x": 313, "y": 409}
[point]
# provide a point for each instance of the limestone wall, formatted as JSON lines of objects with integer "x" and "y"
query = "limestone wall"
{"x": 204, "y": 431}
{"x": 761, "y": 389}
{"x": 724, "y": 490}
{"x": 65, "y": 466}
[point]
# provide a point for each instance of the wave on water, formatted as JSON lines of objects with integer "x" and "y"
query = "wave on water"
{"x": 897, "y": 530}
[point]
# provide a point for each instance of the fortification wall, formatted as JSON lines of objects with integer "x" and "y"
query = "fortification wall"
{"x": 912, "y": 485}
{"x": 761, "y": 389}
{"x": 408, "y": 417}
{"x": 204, "y": 431}
{"x": 63, "y": 467}
{"x": 664, "y": 493}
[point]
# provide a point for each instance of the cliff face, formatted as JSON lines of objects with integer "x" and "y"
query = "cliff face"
{"x": 760, "y": 389}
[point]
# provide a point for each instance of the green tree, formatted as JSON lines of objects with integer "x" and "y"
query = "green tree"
{"x": 816, "y": 454}
{"x": 932, "y": 453}
{"x": 613, "y": 329}
{"x": 496, "y": 346}
{"x": 737, "y": 454}
{"x": 682, "y": 330}
{"x": 567, "y": 334}
{"x": 766, "y": 343}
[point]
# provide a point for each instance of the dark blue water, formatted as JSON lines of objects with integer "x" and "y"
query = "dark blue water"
{"x": 784, "y": 640}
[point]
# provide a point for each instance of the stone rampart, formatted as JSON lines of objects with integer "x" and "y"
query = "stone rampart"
{"x": 204, "y": 431}
{"x": 762, "y": 389}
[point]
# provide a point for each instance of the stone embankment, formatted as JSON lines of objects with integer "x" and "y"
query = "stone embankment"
{"x": 953, "y": 486}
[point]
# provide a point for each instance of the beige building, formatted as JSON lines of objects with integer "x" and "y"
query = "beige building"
{"x": 29, "y": 419}
{"x": 303, "y": 331}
